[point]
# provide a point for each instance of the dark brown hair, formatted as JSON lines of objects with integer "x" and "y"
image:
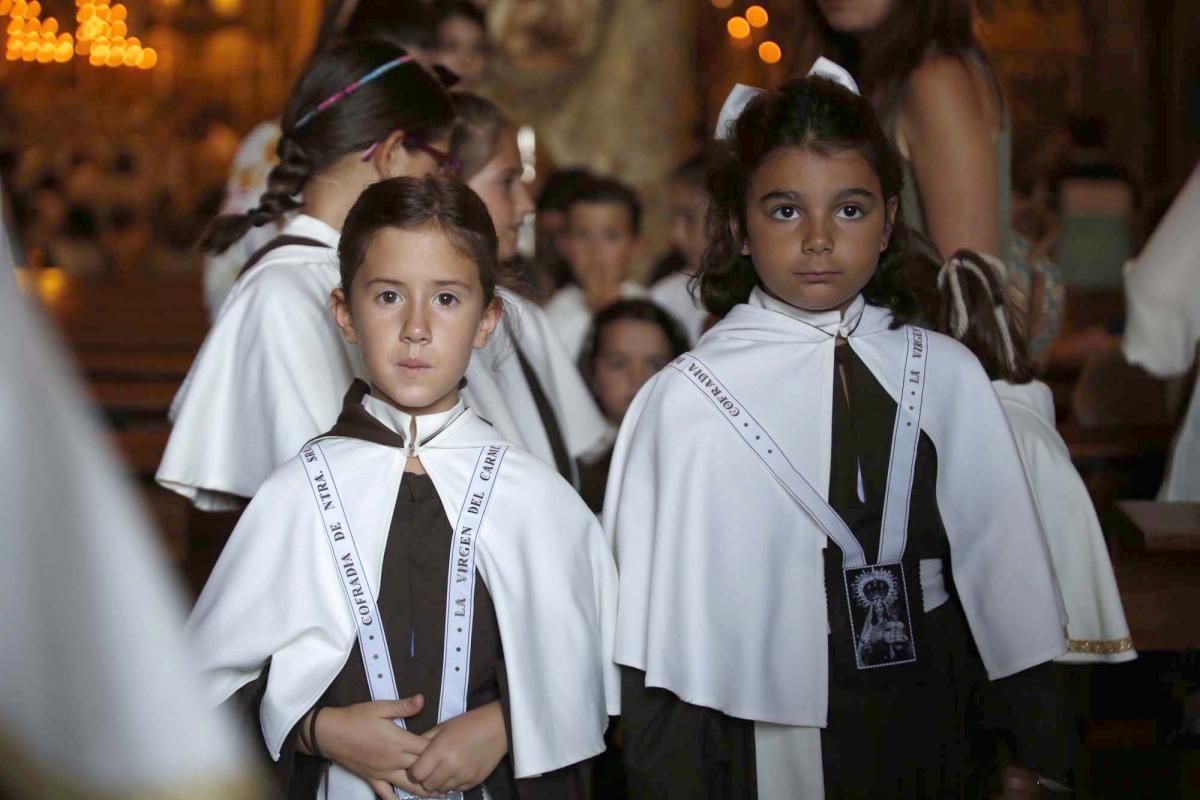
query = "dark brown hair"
{"x": 820, "y": 116}
{"x": 477, "y": 130}
{"x": 609, "y": 191}
{"x": 987, "y": 298}
{"x": 898, "y": 45}
{"x": 407, "y": 98}
{"x": 632, "y": 309}
{"x": 412, "y": 204}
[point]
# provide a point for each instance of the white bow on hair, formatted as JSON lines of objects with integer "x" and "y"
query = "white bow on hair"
{"x": 741, "y": 94}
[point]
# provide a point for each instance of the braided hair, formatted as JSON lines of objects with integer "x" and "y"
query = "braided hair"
{"x": 407, "y": 98}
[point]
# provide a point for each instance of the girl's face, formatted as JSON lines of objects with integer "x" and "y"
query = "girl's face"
{"x": 416, "y": 309}
{"x": 628, "y": 353}
{"x": 462, "y": 48}
{"x": 856, "y": 17}
{"x": 500, "y": 187}
{"x": 815, "y": 226}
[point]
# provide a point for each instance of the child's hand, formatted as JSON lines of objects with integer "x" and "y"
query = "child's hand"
{"x": 462, "y": 751}
{"x": 363, "y": 739}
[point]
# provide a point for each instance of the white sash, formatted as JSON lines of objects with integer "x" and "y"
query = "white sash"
{"x": 460, "y": 585}
{"x": 905, "y": 436}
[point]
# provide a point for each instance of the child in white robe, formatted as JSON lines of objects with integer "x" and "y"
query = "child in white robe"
{"x": 523, "y": 382}
{"x": 761, "y": 659}
{"x": 496, "y": 631}
{"x": 603, "y": 234}
{"x": 976, "y": 307}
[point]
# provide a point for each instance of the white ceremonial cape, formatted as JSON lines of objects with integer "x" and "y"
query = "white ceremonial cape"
{"x": 275, "y": 592}
{"x": 97, "y": 694}
{"x": 270, "y": 375}
{"x": 1096, "y": 626}
{"x": 722, "y": 578}
{"x": 273, "y": 370}
{"x": 1162, "y": 328}
{"x": 673, "y": 295}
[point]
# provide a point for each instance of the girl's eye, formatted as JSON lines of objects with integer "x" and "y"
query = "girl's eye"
{"x": 851, "y": 212}
{"x": 388, "y": 297}
{"x": 444, "y": 299}
{"x": 785, "y": 213}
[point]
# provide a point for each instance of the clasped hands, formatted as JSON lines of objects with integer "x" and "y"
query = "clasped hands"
{"x": 452, "y": 757}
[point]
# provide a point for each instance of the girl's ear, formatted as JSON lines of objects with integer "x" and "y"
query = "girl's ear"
{"x": 391, "y": 158}
{"x": 341, "y": 315}
{"x": 488, "y": 322}
{"x": 893, "y": 204}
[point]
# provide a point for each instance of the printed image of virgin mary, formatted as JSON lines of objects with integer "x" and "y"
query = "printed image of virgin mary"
{"x": 884, "y": 638}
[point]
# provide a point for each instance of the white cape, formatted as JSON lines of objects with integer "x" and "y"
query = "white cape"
{"x": 97, "y": 693}
{"x": 1096, "y": 626}
{"x": 1162, "y": 331}
{"x": 275, "y": 592}
{"x": 722, "y": 578}
{"x": 273, "y": 370}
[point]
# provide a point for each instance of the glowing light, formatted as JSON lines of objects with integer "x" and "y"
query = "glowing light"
{"x": 757, "y": 16}
{"x": 770, "y": 52}
{"x": 738, "y": 27}
{"x": 100, "y": 35}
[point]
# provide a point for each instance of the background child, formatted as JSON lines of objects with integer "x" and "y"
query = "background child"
{"x": 273, "y": 369}
{"x": 406, "y": 458}
{"x": 629, "y": 343}
{"x": 523, "y": 382}
{"x": 603, "y": 233}
{"x": 462, "y": 45}
{"x": 977, "y": 308}
{"x": 763, "y": 660}
{"x": 689, "y": 214}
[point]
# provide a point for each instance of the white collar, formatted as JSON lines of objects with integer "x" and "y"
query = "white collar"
{"x": 312, "y": 228}
{"x": 429, "y": 426}
{"x": 832, "y": 322}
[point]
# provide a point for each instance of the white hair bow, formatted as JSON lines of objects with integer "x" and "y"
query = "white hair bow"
{"x": 741, "y": 94}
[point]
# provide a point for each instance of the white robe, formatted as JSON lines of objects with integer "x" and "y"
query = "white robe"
{"x": 1096, "y": 626}
{"x": 273, "y": 370}
{"x": 1162, "y": 328}
{"x": 97, "y": 693}
{"x": 275, "y": 592}
{"x": 722, "y": 574}
{"x": 672, "y": 294}
{"x": 571, "y": 318}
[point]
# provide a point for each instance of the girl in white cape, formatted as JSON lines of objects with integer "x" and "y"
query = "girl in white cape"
{"x": 524, "y": 382}
{"x": 474, "y": 580}
{"x": 272, "y": 371}
{"x": 761, "y": 659}
{"x": 976, "y": 307}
